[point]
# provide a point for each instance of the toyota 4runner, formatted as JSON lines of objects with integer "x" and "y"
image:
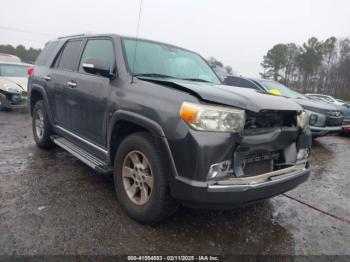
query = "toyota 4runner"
{"x": 158, "y": 118}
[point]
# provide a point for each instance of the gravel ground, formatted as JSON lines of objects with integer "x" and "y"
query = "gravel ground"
{"x": 51, "y": 203}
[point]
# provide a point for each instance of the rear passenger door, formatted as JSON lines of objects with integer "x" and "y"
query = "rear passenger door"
{"x": 87, "y": 101}
{"x": 58, "y": 80}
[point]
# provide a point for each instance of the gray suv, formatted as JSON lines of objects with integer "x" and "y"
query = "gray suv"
{"x": 158, "y": 118}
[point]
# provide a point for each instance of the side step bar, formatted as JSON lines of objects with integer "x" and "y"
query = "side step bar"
{"x": 87, "y": 158}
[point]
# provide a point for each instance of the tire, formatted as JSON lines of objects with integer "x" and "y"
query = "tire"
{"x": 159, "y": 204}
{"x": 42, "y": 136}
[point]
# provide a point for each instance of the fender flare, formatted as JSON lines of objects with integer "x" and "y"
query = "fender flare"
{"x": 41, "y": 90}
{"x": 149, "y": 125}
{"x": 137, "y": 119}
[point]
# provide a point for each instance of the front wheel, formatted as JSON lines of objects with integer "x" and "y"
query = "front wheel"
{"x": 41, "y": 126}
{"x": 140, "y": 180}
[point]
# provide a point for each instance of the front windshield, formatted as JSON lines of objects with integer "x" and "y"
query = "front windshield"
{"x": 13, "y": 70}
{"x": 165, "y": 60}
{"x": 270, "y": 86}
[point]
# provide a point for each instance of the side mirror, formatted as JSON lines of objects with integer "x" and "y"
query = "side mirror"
{"x": 97, "y": 67}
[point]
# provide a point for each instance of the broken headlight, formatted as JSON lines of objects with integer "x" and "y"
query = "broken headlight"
{"x": 12, "y": 88}
{"x": 302, "y": 119}
{"x": 213, "y": 118}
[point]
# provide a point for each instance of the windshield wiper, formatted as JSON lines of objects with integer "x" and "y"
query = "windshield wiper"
{"x": 154, "y": 75}
{"x": 196, "y": 80}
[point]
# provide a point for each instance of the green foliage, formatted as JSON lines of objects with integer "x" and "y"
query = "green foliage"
{"x": 275, "y": 61}
{"x": 315, "y": 66}
{"x": 310, "y": 57}
{"x": 26, "y": 55}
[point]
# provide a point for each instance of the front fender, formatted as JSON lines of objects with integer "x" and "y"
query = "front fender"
{"x": 153, "y": 127}
{"x": 41, "y": 90}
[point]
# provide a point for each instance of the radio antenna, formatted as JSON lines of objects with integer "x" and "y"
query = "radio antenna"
{"x": 137, "y": 40}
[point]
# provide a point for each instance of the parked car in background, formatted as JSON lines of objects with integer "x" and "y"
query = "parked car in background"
{"x": 13, "y": 84}
{"x": 324, "y": 119}
{"x": 9, "y": 58}
{"x": 325, "y": 98}
{"x": 161, "y": 121}
{"x": 343, "y": 106}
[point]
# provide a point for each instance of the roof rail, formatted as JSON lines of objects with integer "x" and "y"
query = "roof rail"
{"x": 61, "y": 37}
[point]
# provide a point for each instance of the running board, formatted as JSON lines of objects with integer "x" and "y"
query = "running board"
{"x": 87, "y": 158}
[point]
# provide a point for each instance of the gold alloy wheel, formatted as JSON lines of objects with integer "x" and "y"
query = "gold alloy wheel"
{"x": 137, "y": 177}
{"x": 39, "y": 124}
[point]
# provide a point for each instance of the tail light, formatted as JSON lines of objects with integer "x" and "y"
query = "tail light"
{"x": 30, "y": 70}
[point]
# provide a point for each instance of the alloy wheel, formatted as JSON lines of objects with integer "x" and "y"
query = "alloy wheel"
{"x": 137, "y": 177}
{"x": 39, "y": 124}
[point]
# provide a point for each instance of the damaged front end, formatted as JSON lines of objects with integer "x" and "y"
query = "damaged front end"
{"x": 12, "y": 96}
{"x": 269, "y": 157}
{"x": 273, "y": 144}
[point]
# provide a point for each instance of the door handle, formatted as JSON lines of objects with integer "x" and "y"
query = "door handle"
{"x": 47, "y": 78}
{"x": 71, "y": 84}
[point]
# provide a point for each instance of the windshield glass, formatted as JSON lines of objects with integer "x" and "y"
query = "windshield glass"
{"x": 270, "y": 85}
{"x": 13, "y": 70}
{"x": 165, "y": 60}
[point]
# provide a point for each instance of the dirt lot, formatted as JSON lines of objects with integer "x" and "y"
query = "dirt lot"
{"x": 51, "y": 203}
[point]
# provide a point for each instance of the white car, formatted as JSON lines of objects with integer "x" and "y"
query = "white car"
{"x": 326, "y": 98}
{"x": 13, "y": 84}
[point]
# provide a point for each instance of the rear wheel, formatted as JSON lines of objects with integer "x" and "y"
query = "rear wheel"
{"x": 140, "y": 180}
{"x": 41, "y": 126}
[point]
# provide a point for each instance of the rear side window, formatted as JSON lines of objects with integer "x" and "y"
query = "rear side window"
{"x": 98, "y": 49}
{"x": 45, "y": 56}
{"x": 70, "y": 55}
{"x": 240, "y": 82}
{"x": 13, "y": 70}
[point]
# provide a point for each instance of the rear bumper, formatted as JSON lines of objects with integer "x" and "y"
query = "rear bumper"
{"x": 240, "y": 191}
{"x": 5, "y": 102}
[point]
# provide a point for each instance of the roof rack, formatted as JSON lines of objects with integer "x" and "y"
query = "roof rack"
{"x": 61, "y": 37}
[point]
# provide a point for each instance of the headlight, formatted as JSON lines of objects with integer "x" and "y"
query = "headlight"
{"x": 302, "y": 119}
{"x": 12, "y": 88}
{"x": 313, "y": 119}
{"x": 213, "y": 118}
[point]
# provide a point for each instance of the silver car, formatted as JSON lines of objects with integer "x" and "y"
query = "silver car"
{"x": 13, "y": 84}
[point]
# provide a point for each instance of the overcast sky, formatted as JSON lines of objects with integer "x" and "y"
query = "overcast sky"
{"x": 237, "y": 33}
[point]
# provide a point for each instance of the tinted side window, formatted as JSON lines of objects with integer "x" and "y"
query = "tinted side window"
{"x": 46, "y": 53}
{"x": 248, "y": 84}
{"x": 98, "y": 49}
{"x": 70, "y": 55}
{"x": 232, "y": 81}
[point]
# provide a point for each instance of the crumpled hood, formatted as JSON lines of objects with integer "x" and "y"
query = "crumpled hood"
{"x": 19, "y": 81}
{"x": 314, "y": 104}
{"x": 244, "y": 98}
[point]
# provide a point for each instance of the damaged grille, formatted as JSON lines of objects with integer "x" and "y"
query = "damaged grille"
{"x": 259, "y": 163}
{"x": 268, "y": 119}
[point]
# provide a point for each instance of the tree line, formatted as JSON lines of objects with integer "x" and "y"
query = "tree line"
{"x": 26, "y": 55}
{"x": 314, "y": 67}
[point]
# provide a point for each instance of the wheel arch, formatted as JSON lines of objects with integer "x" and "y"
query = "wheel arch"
{"x": 38, "y": 93}
{"x": 124, "y": 123}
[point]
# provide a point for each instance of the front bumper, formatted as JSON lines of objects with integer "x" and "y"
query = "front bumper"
{"x": 7, "y": 100}
{"x": 197, "y": 152}
{"x": 240, "y": 191}
{"x": 323, "y": 131}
